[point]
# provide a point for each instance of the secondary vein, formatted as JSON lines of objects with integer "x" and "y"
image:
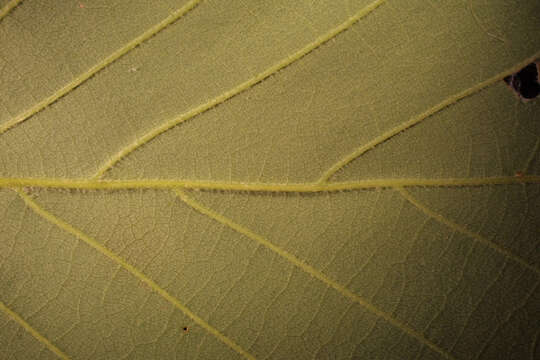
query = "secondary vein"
{"x": 421, "y": 117}
{"x": 33, "y": 332}
{"x": 8, "y": 8}
{"x": 132, "y": 270}
{"x": 313, "y": 272}
{"x": 66, "y": 89}
{"x": 237, "y": 89}
{"x": 462, "y": 229}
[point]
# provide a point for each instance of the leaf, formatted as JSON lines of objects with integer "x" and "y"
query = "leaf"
{"x": 281, "y": 180}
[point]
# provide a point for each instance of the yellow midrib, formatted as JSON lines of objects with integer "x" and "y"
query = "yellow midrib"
{"x": 310, "y": 187}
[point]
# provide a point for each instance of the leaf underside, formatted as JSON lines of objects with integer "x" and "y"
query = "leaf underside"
{"x": 348, "y": 179}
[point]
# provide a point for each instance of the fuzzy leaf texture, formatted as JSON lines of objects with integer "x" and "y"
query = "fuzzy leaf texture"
{"x": 206, "y": 179}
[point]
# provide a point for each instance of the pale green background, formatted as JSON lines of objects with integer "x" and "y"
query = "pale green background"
{"x": 471, "y": 300}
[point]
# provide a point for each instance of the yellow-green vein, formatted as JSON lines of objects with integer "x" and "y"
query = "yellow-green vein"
{"x": 8, "y": 7}
{"x": 131, "y": 269}
{"x": 463, "y": 230}
{"x": 312, "y": 271}
{"x": 92, "y": 184}
{"x": 98, "y": 67}
{"x": 32, "y": 331}
{"x": 237, "y": 89}
{"x": 482, "y": 26}
{"x": 421, "y": 117}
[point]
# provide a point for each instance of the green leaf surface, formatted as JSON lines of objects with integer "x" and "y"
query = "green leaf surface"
{"x": 204, "y": 179}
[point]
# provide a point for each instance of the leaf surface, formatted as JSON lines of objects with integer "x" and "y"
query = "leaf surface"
{"x": 268, "y": 180}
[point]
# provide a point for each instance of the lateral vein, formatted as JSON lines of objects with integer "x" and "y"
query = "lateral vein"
{"x": 421, "y": 117}
{"x": 133, "y": 270}
{"x": 462, "y": 229}
{"x": 312, "y": 271}
{"x": 236, "y": 90}
{"x": 33, "y": 331}
{"x": 8, "y": 7}
{"x": 66, "y": 89}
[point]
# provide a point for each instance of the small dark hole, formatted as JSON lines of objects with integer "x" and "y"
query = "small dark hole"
{"x": 185, "y": 328}
{"x": 525, "y": 81}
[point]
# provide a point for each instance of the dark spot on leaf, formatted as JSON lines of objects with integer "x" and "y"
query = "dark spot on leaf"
{"x": 185, "y": 328}
{"x": 525, "y": 82}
